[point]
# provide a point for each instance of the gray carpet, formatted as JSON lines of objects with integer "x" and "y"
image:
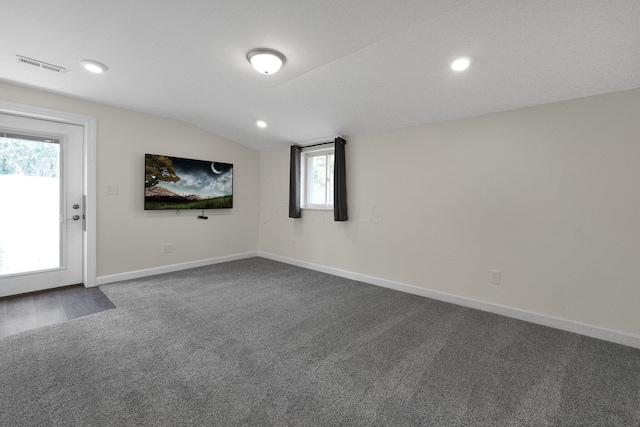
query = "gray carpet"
{"x": 256, "y": 342}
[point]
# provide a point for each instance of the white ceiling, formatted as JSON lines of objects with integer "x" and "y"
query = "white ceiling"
{"x": 353, "y": 67}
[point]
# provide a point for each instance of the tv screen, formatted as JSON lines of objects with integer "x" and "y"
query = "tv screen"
{"x": 177, "y": 183}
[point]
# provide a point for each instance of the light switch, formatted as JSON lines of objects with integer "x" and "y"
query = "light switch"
{"x": 496, "y": 277}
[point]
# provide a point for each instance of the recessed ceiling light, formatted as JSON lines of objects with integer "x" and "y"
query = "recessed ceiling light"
{"x": 461, "y": 64}
{"x": 266, "y": 61}
{"x": 94, "y": 66}
{"x": 261, "y": 123}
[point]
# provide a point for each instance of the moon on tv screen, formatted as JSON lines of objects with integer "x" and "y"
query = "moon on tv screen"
{"x": 213, "y": 168}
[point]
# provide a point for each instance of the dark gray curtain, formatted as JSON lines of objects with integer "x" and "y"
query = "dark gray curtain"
{"x": 340, "y": 182}
{"x": 294, "y": 183}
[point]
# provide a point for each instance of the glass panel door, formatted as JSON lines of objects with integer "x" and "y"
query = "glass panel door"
{"x": 42, "y": 214}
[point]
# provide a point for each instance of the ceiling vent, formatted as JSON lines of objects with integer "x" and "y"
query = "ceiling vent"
{"x": 40, "y": 64}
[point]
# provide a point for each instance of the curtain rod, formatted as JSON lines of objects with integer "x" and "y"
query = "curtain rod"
{"x": 315, "y": 145}
{"x": 318, "y": 144}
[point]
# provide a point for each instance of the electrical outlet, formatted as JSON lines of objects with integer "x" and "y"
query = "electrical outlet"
{"x": 112, "y": 190}
{"x": 495, "y": 277}
{"x": 167, "y": 248}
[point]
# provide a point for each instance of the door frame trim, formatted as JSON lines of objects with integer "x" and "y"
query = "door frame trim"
{"x": 89, "y": 141}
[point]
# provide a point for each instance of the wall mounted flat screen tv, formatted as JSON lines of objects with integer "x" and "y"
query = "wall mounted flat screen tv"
{"x": 177, "y": 183}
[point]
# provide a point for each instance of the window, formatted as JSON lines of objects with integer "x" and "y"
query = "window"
{"x": 317, "y": 178}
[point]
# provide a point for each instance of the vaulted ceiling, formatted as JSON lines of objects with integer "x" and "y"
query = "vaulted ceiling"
{"x": 353, "y": 67}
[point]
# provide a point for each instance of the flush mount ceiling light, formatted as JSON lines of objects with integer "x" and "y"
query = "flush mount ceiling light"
{"x": 261, "y": 123}
{"x": 94, "y": 66}
{"x": 266, "y": 61}
{"x": 461, "y": 64}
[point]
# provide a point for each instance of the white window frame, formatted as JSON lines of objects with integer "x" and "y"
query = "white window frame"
{"x": 307, "y": 179}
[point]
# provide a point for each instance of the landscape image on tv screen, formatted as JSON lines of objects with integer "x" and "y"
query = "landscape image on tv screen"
{"x": 177, "y": 183}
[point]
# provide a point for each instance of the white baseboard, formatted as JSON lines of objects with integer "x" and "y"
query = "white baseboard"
{"x": 103, "y": 280}
{"x": 528, "y": 316}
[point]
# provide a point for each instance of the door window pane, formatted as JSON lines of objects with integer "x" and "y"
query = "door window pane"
{"x": 30, "y": 192}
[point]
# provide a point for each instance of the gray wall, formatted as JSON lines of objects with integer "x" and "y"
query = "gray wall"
{"x": 129, "y": 238}
{"x": 548, "y": 195}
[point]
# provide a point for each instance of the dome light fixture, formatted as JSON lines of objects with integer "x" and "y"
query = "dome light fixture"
{"x": 94, "y": 66}
{"x": 266, "y": 61}
{"x": 261, "y": 123}
{"x": 461, "y": 64}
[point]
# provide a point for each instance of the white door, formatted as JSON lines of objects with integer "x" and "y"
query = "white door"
{"x": 42, "y": 213}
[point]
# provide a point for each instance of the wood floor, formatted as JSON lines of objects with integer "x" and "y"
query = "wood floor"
{"x": 39, "y": 309}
